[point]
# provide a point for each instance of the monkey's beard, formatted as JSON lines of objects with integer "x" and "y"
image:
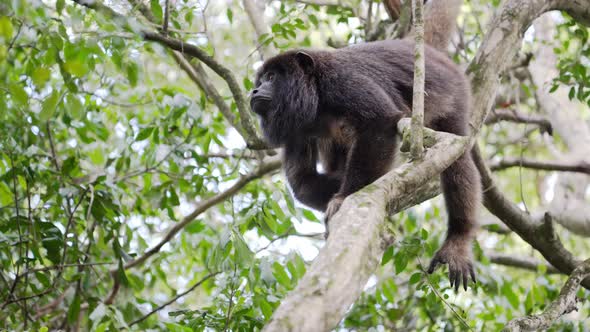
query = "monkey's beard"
{"x": 281, "y": 126}
{"x": 274, "y": 131}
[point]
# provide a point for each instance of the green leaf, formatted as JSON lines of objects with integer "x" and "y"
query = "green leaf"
{"x": 132, "y": 73}
{"x": 144, "y": 133}
{"x": 415, "y": 278}
{"x": 6, "y": 29}
{"x": 173, "y": 327}
{"x": 76, "y": 67}
{"x": 60, "y": 5}
{"x": 400, "y": 261}
{"x": 278, "y": 271}
{"x": 156, "y": 9}
{"x": 243, "y": 254}
{"x": 314, "y": 20}
{"x": 6, "y": 195}
{"x": 266, "y": 309}
{"x": 230, "y": 15}
{"x": 74, "y": 309}
{"x": 49, "y": 106}
{"x": 19, "y": 95}
{"x": 510, "y": 295}
{"x": 40, "y": 76}
{"x": 387, "y": 255}
{"x": 74, "y": 106}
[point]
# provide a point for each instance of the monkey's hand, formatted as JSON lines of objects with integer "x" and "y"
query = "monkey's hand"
{"x": 333, "y": 207}
{"x": 456, "y": 251}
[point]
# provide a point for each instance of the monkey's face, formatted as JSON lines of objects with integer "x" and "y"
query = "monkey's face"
{"x": 261, "y": 96}
{"x": 285, "y": 97}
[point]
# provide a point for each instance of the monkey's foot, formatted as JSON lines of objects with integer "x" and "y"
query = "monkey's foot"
{"x": 333, "y": 207}
{"x": 456, "y": 252}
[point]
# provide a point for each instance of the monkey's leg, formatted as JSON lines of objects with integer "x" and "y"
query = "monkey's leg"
{"x": 462, "y": 192}
{"x": 369, "y": 158}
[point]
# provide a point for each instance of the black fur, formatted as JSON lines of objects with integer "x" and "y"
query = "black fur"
{"x": 341, "y": 108}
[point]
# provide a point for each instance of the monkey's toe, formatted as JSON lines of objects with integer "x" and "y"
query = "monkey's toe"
{"x": 333, "y": 207}
{"x": 458, "y": 258}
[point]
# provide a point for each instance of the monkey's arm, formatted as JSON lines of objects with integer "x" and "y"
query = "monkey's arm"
{"x": 309, "y": 187}
{"x": 373, "y": 148}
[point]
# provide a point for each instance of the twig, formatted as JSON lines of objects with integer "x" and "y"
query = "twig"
{"x": 174, "y": 299}
{"x": 553, "y": 165}
{"x": 522, "y": 263}
{"x": 253, "y": 140}
{"x": 427, "y": 277}
{"x": 498, "y": 115}
{"x": 263, "y": 169}
{"x": 166, "y": 16}
{"x": 62, "y": 266}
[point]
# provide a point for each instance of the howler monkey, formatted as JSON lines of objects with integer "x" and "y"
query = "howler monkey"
{"x": 341, "y": 107}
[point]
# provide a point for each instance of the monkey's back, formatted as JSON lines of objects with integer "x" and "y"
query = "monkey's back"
{"x": 390, "y": 64}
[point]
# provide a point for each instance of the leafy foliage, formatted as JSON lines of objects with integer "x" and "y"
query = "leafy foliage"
{"x": 106, "y": 145}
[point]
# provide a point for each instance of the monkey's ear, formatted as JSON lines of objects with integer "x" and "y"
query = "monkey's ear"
{"x": 305, "y": 61}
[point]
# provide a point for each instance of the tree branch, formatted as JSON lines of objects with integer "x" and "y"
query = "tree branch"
{"x": 266, "y": 167}
{"x": 257, "y": 20}
{"x": 565, "y": 303}
{"x": 530, "y": 264}
{"x": 343, "y": 266}
{"x": 358, "y": 239}
{"x": 417, "y": 146}
{"x": 540, "y": 235}
{"x": 252, "y": 138}
{"x": 498, "y": 115}
{"x": 174, "y": 299}
{"x": 553, "y": 165}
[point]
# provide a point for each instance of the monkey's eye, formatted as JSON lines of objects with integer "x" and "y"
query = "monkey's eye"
{"x": 270, "y": 77}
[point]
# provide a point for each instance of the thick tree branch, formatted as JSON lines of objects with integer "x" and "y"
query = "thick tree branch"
{"x": 540, "y": 235}
{"x": 569, "y": 206}
{"x": 581, "y": 167}
{"x": 340, "y": 271}
{"x": 565, "y": 303}
{"x": 358, "y": 239}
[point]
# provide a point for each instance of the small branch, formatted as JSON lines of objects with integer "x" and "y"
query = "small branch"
{"x": 59, "y": 267}
{"x": 565, "y": 303}
{"x": 528, "y": 263}
{"x": 260, "y": 27}
{"x": 166, "y": 16}
{"x": 514, "y": 116}
{"x": 266, "y": 167}
{"x": 252, "y": 138}
{"x": 417, "y": 145}
{"x": 323, "y": 3}
{"x": 197, "y": 74}
{"x": 508, "y": 162}
{"x": 540, "y": 235}
{"x": 174, "y": 299}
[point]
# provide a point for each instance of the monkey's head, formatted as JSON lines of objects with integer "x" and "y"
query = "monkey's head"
{"x": 285, "y": 96}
